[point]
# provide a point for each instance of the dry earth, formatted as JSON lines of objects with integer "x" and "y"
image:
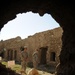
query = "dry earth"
{"x": 40, "y": 72}
{"x": 17, "y": 69}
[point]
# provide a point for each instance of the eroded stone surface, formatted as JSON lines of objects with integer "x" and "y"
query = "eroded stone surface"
{"x": 62, "y": 11}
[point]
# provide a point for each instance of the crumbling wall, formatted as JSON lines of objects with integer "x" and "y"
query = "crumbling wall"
{"x": 49, "y": 40}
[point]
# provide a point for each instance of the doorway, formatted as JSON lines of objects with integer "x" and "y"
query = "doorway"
{"x": 43, "y": 53}
{"x": 52, "y": 56}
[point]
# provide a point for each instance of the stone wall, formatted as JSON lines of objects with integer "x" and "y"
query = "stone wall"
{"x": 62, "y": 11}
{"x": 48, "y": 42}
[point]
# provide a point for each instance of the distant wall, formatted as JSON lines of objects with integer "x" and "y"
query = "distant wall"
{"x": 48, "y": 42}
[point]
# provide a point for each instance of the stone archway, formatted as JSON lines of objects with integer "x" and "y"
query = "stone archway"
{"x": 62, "y": 11}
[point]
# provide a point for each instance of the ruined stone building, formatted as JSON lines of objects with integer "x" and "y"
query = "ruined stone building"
{"x": 48, "y": 42}
{"x": 62, "y": 11}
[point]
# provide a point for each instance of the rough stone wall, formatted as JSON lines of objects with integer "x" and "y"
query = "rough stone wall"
{"x": 49, "y": 40}
{"x": 62, "y": 11}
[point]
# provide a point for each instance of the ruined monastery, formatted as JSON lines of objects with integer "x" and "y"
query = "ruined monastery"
{"x": 48, "y": 42}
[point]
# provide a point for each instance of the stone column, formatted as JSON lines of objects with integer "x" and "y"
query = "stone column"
{"x": 67, "y": 55}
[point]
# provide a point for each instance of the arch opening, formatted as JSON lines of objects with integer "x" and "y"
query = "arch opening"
{"x": 32, "y": 23}
{"x": 46, "y": 20}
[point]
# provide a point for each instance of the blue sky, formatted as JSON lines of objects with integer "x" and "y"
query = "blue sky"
{"x": 26, "y": 24}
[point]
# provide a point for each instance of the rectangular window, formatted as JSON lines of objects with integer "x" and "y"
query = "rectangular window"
{"x": 52, "y": 56}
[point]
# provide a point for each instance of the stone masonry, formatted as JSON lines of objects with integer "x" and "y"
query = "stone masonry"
{"x": 48, "y": 42}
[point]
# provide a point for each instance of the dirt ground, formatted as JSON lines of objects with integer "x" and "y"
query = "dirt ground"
{"x": 17, "y": 69}
{"x": 40, "y": 72}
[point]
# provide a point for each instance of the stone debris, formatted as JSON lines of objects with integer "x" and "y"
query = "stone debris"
{"x": 10, "y": 64}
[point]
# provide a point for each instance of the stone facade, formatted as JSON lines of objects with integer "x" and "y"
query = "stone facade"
{"x": 62, "y": 11}
{"x": 48, "y": 42}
